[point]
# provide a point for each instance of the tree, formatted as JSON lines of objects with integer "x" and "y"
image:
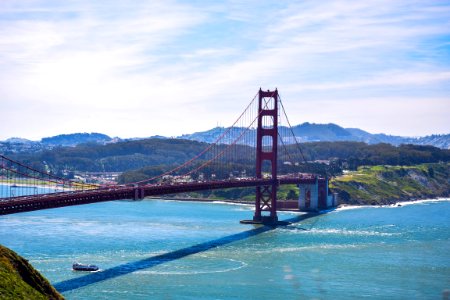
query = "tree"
{"x": 292, "y": 195}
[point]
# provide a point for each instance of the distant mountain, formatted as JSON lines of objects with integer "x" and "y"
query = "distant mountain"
{"x": 437, "y": 140}
{"x": 158, "y": 137}
{"x": 20, "y": 145}
{"x": 76, "y": 138}
{"x": 155, "y": 156}
{"x": 306, "y": 132}
{"x": 16, "y": 140}
{"x": 210, "y": 136}
{"x": 310, "y": 132}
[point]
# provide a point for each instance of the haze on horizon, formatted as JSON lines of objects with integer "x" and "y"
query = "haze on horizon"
{"x": 173, "y": 67}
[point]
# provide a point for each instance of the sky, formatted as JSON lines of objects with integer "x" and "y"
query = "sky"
{"x": 144, "y": 68}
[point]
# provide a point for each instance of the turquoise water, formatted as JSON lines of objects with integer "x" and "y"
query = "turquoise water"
{"x": 156, "y": 249}
{"x": 7, "y": 190}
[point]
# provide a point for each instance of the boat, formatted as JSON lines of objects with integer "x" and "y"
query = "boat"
{"x": 84, "y": 267}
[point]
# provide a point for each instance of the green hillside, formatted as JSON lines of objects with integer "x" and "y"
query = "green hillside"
{"x": 389, "y": 184}
{"x": 19, "y": 280}
{"x": 166, "y": 153}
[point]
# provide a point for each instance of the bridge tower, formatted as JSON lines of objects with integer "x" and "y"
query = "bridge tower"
{"x": 266, "y": 153}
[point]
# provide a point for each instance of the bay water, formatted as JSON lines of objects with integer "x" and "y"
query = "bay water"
{"x": 156, "y": 249}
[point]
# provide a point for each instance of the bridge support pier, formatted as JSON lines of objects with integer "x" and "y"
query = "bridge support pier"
{"x": 139, "y": 193}
{"x": 266, "y": 200}
{"x": 315, "y": 196}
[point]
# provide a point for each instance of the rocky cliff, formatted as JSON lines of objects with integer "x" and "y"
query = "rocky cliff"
{"x": 389, "y": 184}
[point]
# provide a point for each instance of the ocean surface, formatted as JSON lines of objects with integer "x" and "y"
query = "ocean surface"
{"x": 155, "y": 249}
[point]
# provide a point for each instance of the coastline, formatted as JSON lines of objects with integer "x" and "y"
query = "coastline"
{"x": 39, "y": 186}
{"x": 207, "y": 200}
{"x": 342, "y": 206}
{"x": 389, "y": 185}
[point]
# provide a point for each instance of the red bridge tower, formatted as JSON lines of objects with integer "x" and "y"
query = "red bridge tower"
{"x": 266, "y": 153}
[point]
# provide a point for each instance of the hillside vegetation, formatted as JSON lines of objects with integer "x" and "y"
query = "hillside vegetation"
{"x": 76, "y": 138}
{"x": 132, "y": 155}
{"x": 341, "y": 155}
{"x": 389, "y": 184}
{"x": 116, "y": 157}
{"x": 19, "y": 280}
{"x": 284, "y": 192}
{"x": 369, "y": 185}
{"x": 306, "y": 132}
{"x": 143, "y": 159}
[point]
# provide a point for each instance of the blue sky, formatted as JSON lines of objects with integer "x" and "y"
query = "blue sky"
{"x": 137, "y": 69}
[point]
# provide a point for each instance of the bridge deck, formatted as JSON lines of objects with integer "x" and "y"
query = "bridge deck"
{"x": 45, "y": 201}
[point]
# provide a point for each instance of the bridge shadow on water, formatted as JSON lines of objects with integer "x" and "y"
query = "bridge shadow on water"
{"x": 124, "y": 269}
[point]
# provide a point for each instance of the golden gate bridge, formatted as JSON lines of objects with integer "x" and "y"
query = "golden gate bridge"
{"x": 255, "y": 135}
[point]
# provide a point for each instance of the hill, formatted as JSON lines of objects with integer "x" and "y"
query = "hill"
{"x": 113, "y": 157}
{"x": 378, "y": 185}
{"x": 141, "y": 159}
{"x": 158, "y": 154}
{"x": 75, "y": 139}
{"x": 20, "y": 145}
{"x": 328, "y": 158}
{"x": 19, "y": 280}
{"x": 310, "y": 132}
{"x": 306, "y": 132}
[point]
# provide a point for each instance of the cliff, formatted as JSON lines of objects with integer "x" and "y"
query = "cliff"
{"x": 19, "y": 280}
{"x": 389, "y": 184}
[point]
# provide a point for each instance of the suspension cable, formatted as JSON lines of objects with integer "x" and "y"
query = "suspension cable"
{"x": 32, "y": 169}
{"x": 292, "y": 131}
{"x": 225, "y": 149}
{"x": 201, "y": 153}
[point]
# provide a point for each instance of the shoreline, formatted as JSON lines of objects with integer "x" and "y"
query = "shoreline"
{"x": 342, "y": 206}
{"x": 221, "y": 201}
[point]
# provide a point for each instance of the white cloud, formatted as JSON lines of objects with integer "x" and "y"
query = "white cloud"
{"x": 168, "y": 68}
{"x": 382, "y": 79}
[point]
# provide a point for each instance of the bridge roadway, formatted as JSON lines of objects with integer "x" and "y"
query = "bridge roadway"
{"x": 54, "y": 200}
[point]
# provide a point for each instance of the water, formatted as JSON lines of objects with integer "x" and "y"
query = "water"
{"x": 7, "y": 190}
{"x": 156, "y": 249}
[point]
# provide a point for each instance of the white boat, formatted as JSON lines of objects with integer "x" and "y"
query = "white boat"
{"x": 84, "y": 267}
